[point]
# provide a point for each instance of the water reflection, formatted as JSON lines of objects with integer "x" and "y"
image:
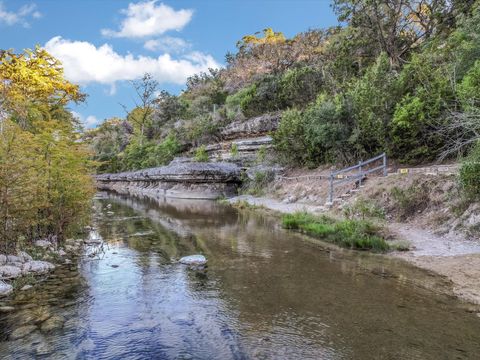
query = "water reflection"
{"x": 267, "y": 294}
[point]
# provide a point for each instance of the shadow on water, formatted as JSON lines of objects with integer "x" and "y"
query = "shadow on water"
{"x": 266, "y": 294}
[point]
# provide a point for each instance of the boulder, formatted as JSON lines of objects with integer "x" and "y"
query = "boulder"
{"x": 3, "y": 259}
{"x": 5, "y": 289}
{"x": 193, "y": 260}
{"x": 37, "y": 267}
{"x": 10, "y": 272}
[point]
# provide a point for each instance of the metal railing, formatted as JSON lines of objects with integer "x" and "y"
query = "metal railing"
{"x": 344, "y": 175}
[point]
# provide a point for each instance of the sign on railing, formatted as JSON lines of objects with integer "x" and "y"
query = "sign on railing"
{"x": 356, "y": 173}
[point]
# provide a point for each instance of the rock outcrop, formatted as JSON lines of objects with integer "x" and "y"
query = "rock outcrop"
{"x": 180, "y": 179}
{"x": 254, "y": 127}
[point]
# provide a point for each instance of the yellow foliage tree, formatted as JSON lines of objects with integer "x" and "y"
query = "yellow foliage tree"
{"x": 32, "y": 83}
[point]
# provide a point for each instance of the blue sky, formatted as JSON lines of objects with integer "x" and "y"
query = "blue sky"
{"x": 105, "y": 43}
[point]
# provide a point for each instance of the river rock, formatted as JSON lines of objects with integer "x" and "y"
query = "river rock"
{"x": 26, "y": 287}
{"x": 10, "y": 272}
{"x": 5, "y": 289}
{"x": 193, "y": 260}
{"x": 12, "y": 259}
{"x": 38, "y": 267}
{"x": 22, "y": 331}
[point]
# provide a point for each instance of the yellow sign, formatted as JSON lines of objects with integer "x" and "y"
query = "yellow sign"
{"x": 340, "y": 176}
{"x": 403, "y": 171}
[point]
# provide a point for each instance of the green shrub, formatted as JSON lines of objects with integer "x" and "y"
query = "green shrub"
{"x": 362, "y": 209}
{"x": 470, "y": 174}
{"x": 242, "y": 99}
{"x": 353, "y": 234}
{"x": 260, "y": 181}
{"x": 407, "y": 202}
{"x": 234, "y": 150}
{"x": 165, "y": 151}
{"x": 261, "y": 154}
{"x": 201, "y": 154}
{"x": 315, "y": 136}
{"x": 202, "y": 127}
{"x": 289, "y": 139}
{"x": 298, "y": 87}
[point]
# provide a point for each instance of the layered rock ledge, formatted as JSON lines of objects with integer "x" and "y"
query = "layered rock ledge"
{"x": 180, "y": 179}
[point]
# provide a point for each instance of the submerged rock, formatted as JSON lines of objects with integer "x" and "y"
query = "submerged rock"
{"x": 38, "y": 267}
{"x": 22, "y": 331}
{"x": 54, "y": 323}
{"x": 193, "y": 260}
{"x": 5, "y": 289}
{"x": 10, "y": 272}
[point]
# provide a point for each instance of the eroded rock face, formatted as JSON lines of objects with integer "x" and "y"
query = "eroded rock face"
{"x": 257, "y": 126}
{"x": 180, "y": 179}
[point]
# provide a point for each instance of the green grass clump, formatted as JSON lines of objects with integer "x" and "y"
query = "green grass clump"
{"x": 353, "y": 234}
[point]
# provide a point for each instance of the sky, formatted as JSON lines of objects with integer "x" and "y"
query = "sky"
{"x": 104, "y": 44}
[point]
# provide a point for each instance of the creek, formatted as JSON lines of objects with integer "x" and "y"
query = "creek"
{"x": 267, "y": 293}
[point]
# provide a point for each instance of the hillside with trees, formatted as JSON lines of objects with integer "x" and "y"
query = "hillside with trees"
{"x": 400, "y": 76}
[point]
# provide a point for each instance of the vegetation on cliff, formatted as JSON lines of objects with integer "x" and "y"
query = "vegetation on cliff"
{"x": 401, "y": 77}
{"x": 45, "y": 183}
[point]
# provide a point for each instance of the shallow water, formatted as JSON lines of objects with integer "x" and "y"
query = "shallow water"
{"x": 266, "y": 294}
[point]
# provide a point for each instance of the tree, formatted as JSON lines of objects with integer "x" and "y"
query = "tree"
{"x": 146, "y": 89}
{"x": 398, "y": 26}
{"x": 32, "y": 84}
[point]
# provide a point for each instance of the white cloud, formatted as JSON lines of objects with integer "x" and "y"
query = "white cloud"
{"x": 167, "y": 44}
{"x": 89, "y": 122}
{"x": 149, "y": 19}
{"x": 84, "y": 63}
{"x": 19, "y": 17}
